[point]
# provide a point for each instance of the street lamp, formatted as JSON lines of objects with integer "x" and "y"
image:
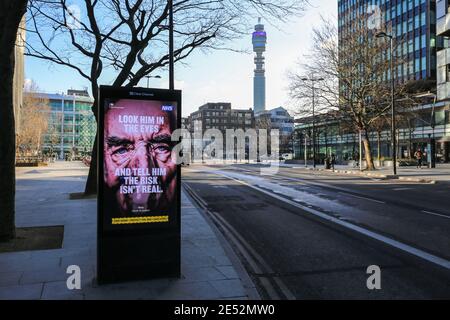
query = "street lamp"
{"x": 306, "y": 149}
{"x": 148, "y": 78}
{"x": 171, "y": 45}
{"x": 394, "y": 142}
{"x": 171, "y": 54}
{"x": 312, "y": 79}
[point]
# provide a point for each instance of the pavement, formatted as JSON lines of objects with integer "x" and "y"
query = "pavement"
{"x": 210, "y": 269}
{"x": 425, "y": 175}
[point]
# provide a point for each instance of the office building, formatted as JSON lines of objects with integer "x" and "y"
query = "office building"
{"x": 420, "y": 29}
{"x": 72, "y": 125}
{"x": 279, "y": 119}
{"x": 220, "y": 116}
{"x": 412, "y": 23}
{"x": 334, "y": 136}
{"x": 443, "y": 55}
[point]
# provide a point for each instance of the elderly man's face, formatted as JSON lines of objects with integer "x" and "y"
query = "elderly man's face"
{"x": 125, "y": 148}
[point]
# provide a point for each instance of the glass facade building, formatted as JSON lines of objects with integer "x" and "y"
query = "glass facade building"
{"x": 279, "y": 119}
{"x": 334, "y": 137}
{"x": 421, "y": 31}
{"x": 412, "y": 23}
{"x": 443, "y": 55}
{"x": 71, "y": 126}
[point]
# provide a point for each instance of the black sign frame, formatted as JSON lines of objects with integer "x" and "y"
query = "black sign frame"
{"x": 141, "y": 251}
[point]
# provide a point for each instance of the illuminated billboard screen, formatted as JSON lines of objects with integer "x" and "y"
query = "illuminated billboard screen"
{"x": 140, "y": 176}
{"x": 139, "y": 179}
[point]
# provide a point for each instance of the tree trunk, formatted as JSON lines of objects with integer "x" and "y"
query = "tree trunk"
{"x": 11, "y": 13}
{"x": 379, "y": 147}
{"x": 368, "y": 152}
{"x": 7, "y": 149}
{"x": 91, "y": 183}
{"x": 410, "y": 145}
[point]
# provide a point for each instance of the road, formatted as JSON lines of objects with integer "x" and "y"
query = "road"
{"x": 312, "y": 235}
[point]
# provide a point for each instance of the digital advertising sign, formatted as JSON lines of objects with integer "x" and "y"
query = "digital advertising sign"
{"x": 139, "y": 183}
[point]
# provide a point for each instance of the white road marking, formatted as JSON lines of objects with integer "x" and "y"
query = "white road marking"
{"x": 436, "y": 214}
{"x": 371, "y": 234}
{"x": 401, "y": 189}
{"x": 364, "y": 198}
{"x": 251, "y": 256}
{"x": 247, "y": 170}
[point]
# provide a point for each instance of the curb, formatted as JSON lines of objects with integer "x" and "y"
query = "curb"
{"x": 375, "y": 175}
{"x": 418, "y": 180}
{"x": 247, "y": 283}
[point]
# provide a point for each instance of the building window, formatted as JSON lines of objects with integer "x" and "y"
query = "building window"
{"x": 439, "y": 117}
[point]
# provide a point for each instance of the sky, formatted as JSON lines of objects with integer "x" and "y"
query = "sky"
{"x": 218, "y": 76}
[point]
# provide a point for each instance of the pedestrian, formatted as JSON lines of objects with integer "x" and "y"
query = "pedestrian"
{"x": 356, "y": 158}
{"x": 419, "y": 155}
{"x": 333, "y": 161}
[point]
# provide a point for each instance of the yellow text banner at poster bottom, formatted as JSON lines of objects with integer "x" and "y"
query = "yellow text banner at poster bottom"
{"x": 140, "y": 220}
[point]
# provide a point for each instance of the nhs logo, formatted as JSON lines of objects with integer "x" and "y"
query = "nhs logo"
{"x": 167, "y": 108}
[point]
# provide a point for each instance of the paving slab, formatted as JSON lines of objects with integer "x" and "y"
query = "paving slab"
{"x": 42, "y": 199}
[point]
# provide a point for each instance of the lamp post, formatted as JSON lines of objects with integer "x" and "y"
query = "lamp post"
{"x": 171, "y": 54}
{"x": 313, "y": 80}
{"x": 171, "y": 45}
{"x": 433, "y": 140}
{"x": 393, "y": 129}
{"x": 306, "y": 149}
{"x": 148, "y": 78}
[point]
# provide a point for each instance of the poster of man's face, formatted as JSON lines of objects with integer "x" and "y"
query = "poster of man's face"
{"x": 140, "y": 174}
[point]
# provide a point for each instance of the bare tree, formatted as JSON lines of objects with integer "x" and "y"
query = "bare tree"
{"x": 54, "y": 132}
{"x": 408, "y": 114}
{"x": 303, "y": 85}
{"x": 379, "y": 126}
{"x": 11, "y": 13}
{"x": 34, "y": 116}
{"x": 355, "y": 66}
{"x": 130, "y": 37}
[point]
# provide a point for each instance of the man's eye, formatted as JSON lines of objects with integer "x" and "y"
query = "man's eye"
{"x": 160, "y": 148}
{"x": 121, "y": 151}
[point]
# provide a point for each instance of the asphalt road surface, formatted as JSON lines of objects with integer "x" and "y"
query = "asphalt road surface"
{"x": 312, "y": 235}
